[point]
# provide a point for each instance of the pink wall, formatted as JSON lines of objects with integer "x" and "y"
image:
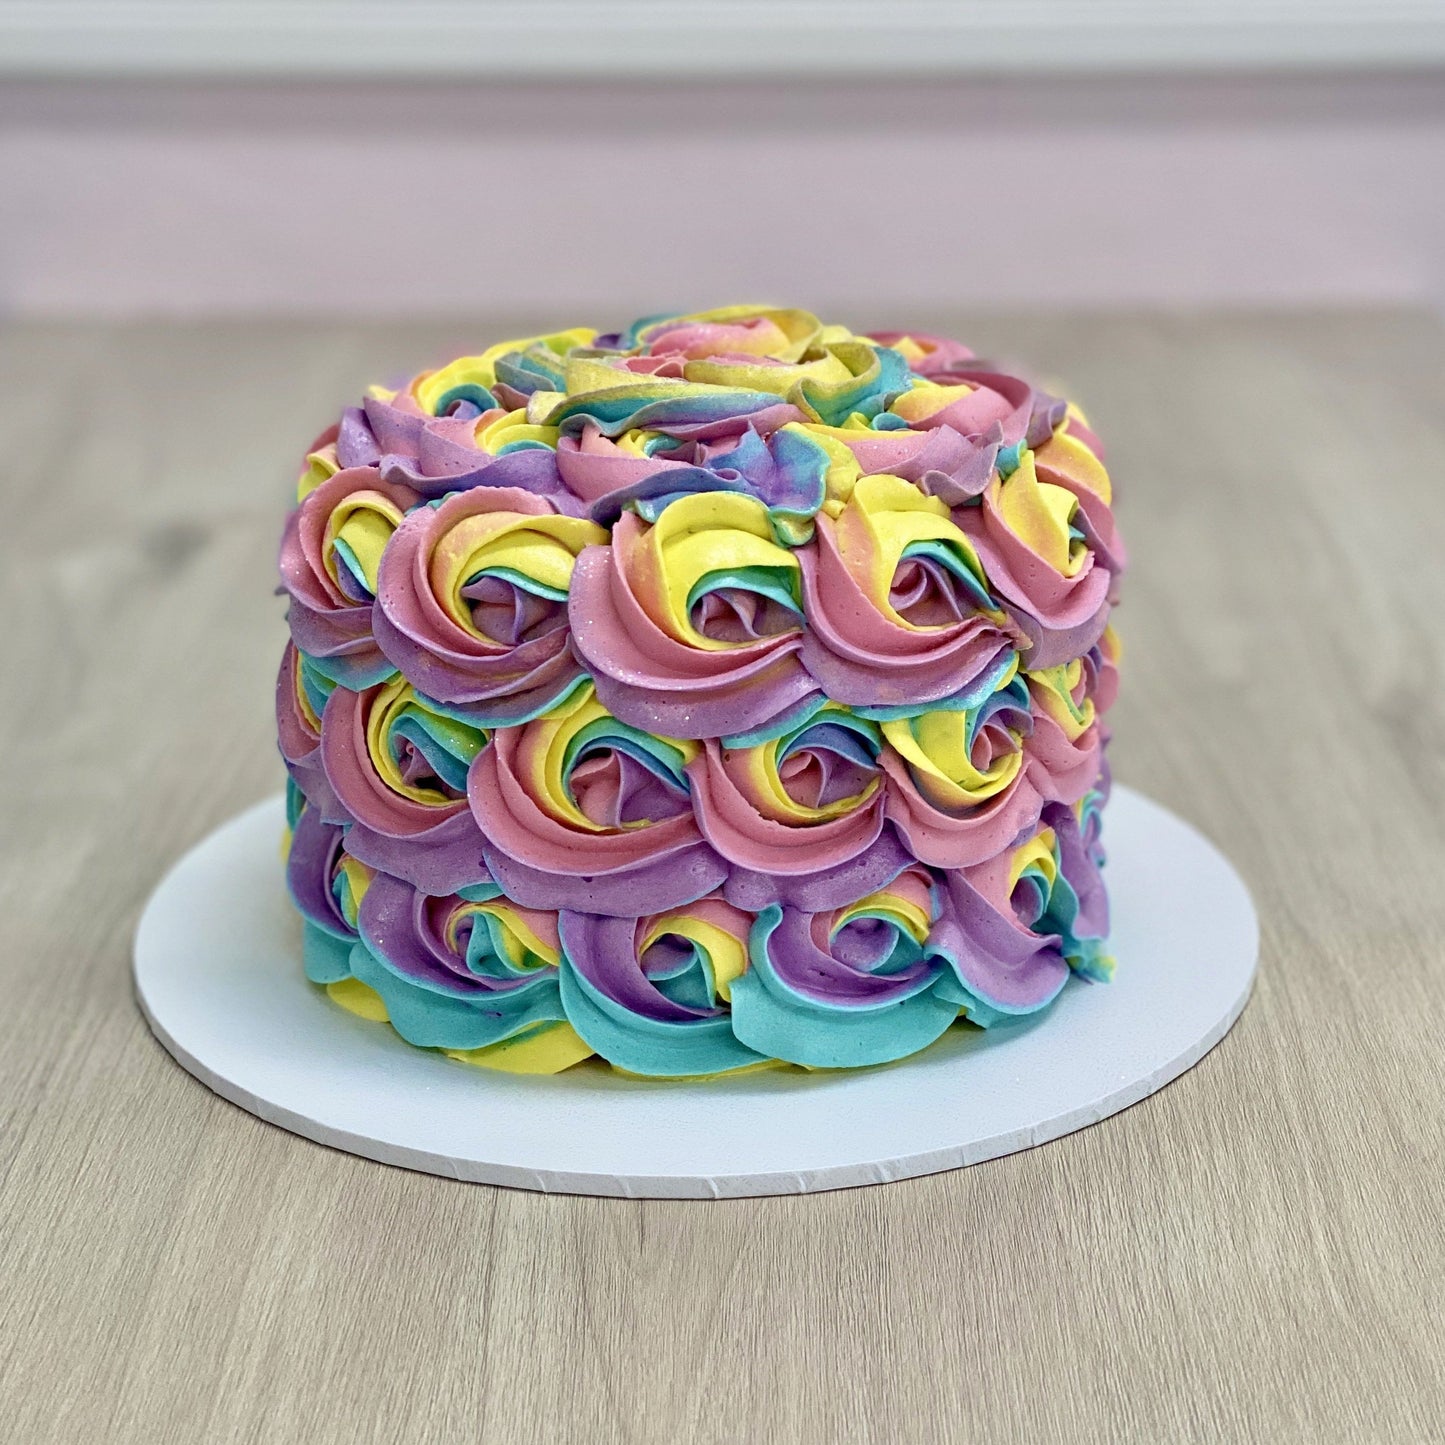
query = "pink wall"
{"x": 142, "y": 199}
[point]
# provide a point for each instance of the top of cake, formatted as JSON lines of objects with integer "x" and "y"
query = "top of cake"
{"x": 733, "y": 613}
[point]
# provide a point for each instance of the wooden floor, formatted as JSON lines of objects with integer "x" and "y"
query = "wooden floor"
{"x": 1256, "y": 1253}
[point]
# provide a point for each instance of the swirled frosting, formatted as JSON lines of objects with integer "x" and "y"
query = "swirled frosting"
{"x": 720, "y": 692}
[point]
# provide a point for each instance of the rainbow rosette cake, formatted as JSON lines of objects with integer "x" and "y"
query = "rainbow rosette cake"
{"x": 723, "y": 693}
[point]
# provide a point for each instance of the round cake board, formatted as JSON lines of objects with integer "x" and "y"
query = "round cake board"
{"x": 218, "y": 975}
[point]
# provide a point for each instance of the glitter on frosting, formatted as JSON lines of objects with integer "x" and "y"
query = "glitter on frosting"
{"x": 722, "y": 691}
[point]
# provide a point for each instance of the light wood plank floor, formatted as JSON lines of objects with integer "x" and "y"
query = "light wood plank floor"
{"x": 1254, "y": 1254}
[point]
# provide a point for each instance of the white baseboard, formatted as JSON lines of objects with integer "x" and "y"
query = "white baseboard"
{"x": 623, "y": 38}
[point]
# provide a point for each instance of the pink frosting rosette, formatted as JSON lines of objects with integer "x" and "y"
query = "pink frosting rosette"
{"x": 957, "y": 418}
{"x": 1101, "y": 669}
{"x": 964, "y": 785}
{"x": 1046, "y": 537}
{"x": 595, "y": 466}
{"x": 899, "y": 612}
{"x": 299, "y": 702}
{"x": 692, "y": 626}
{"x": 330, "y": 553}
{"x": 938, "y": 459}
{"x": 806, "y": 802}
{"x": 960, "y": 788}
{"x": 977, "y": 400}
{"x": 398, "y": 768}
{"x": 578, "y": 810}
{"x": 472, "y": 602}
{"x": 1066, "y": 746}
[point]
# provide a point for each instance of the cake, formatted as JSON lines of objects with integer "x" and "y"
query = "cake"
{"x": 718, "y": 694}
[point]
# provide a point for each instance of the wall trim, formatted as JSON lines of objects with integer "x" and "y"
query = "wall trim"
{"x": 297, "y": 39}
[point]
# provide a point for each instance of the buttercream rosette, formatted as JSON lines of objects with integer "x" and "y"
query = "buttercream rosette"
{"x": 693, "y": 624}
{"x": 398, "y": 771}
{"x": 579, "y": 810}
{"x": 471, "y": 972}
{"x": 727, "y": 691}
{"x": 330, "y": 557}
{"x": 472, "y": 602}
{"x": 326, "y": 884}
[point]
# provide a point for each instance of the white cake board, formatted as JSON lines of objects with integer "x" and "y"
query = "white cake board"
{"x": 218, "y": 975}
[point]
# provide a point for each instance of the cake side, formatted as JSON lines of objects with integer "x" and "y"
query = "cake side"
{"x": 725, "y": 691}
